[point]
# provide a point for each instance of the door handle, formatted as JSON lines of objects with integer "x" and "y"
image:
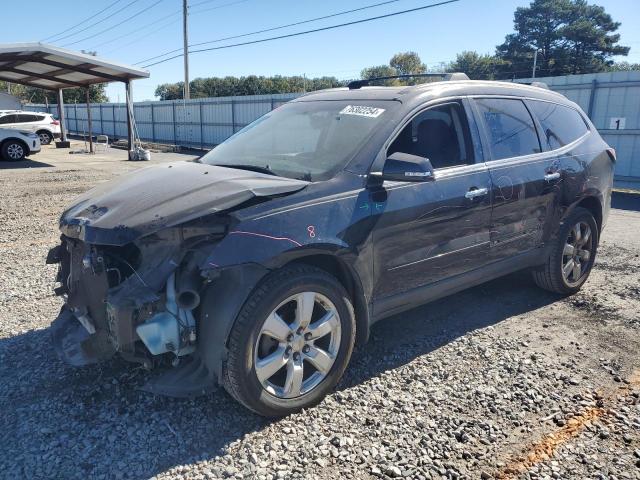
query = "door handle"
{"x": 476, "y": 192}
{"x": 550, "y": 177}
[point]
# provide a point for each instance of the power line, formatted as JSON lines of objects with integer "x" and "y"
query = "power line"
{"x": 118, "y": 24}
{"x": 218, "y": 6}
{"x": 331, "y": 27}
{"x": 202, "y": 3}
{"x": 273, "y": 28}
{"x": 98, "y": 22}
{"x": 171, "y": 15}
{"x": 142, "y": 37}
{"x": 137, "y": 30}
{"x": 82, "y": 21}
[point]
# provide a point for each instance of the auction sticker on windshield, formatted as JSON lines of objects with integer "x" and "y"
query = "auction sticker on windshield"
{"x": 363, "y": 111}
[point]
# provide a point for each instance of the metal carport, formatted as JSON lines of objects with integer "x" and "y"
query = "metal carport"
{"x": 53, "y": 68}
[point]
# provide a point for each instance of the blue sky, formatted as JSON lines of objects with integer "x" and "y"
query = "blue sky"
{"x": 436, "y": 34}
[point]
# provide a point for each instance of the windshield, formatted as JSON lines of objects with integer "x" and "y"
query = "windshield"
{"x": 304, "y": 140}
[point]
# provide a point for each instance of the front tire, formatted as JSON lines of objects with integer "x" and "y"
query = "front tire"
{"x": 572, "y": 256}
{"x": 14, "y": 150}
{"x": 290, "y": 343}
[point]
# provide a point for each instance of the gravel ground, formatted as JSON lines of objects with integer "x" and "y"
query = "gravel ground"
{"x": 501, "y": 381}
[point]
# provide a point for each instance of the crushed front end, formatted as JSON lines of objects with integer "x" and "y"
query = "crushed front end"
{"x": 136, "y": 300}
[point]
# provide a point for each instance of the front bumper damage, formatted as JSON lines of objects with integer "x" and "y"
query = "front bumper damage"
{"x": 138, "y": 300}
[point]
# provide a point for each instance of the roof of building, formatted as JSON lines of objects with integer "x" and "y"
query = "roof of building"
{"x": 49, "y": 67}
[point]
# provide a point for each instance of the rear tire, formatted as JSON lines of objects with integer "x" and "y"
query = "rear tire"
{"x": 572, "y": 256}
{"x": 45, "y": 137}
{"x": 13, "y": 150}
{"x": 290, "y": 343}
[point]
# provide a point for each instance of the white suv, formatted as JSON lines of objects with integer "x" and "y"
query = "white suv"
{"x": 16, "y": 145}
{"x": 41, "y": 123}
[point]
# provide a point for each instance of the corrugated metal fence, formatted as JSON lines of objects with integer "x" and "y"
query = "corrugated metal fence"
{"x": 612, "y": 101}
{"x": 199, "y": 123}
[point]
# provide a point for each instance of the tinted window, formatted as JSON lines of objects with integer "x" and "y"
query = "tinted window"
{"x": 8, "y": 119}
{"x": 439, "y": 134}
{"x": 509, "y": 126}
{"x": 560, "y": 125}
{"x": 25, "y": 118}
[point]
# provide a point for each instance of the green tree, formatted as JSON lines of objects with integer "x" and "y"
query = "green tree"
{"x": 380, "y": 71}
{"x": 26, "y": 94}
{"x": 624, "y": 67}
{"x": 571, "y": 36}
{"x": 407, "y": 63}
{"x": 250, "y": 85}
{"x": 477, "y": 66}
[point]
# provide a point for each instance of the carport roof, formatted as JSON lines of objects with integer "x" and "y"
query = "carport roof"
{"x": 52, "y": 68}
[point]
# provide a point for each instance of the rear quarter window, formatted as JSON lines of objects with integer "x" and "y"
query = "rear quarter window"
{"x": 560, "y": 125}
{"x": 509, "y": 126}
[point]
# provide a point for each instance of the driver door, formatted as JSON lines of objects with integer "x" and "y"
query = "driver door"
{"x": 432, "y": 230}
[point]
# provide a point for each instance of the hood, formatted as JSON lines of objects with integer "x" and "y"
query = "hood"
{"x": 152, "y": 198}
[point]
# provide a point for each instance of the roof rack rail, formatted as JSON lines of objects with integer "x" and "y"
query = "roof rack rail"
{"x": 356, "y": 84}
{"x": 534, "y": 84}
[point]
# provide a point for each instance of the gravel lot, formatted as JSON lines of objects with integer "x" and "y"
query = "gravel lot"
{"x": 501, "y": 381}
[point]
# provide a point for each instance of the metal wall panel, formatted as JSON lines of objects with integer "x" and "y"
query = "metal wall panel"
{"x": 206, "y": 122}
{"x": 607, "y": 97}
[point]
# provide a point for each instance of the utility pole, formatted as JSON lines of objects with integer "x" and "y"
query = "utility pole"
{"x": 535, "y": 62}
{"x": 185, "y": 29}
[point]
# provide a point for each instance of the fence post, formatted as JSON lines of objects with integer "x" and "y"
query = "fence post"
{"x": 153, "y": 124}
{"x": 201, "y": 127}
{"x": 173, "y": 118}
{"x": 75, "y": 116}
{"x": 113, "y": 115}
{"x": 592, "y": 97}
{"x": 101, "y": 122}
{"x": 233, "y": 116}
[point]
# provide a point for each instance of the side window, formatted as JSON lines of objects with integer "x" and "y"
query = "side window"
{"x": 510, "y": 127}
{"x": 8, "y": 119}
{"x": 560, "y": 125}
{"x": 440, "y": 134}
{"x": 24, "y": 118}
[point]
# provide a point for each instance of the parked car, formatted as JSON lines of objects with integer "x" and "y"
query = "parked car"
{"x": 261, "y": 265}
{"x": 16, "y": 145}
{"x": 45, "y": 125}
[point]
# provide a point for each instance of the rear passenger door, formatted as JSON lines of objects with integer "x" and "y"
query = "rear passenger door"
{"x": 26, "y": 122}
{"x": 526, "y": 177}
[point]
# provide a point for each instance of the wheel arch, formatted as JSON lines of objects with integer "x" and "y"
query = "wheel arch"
{"x": 593, "y": 204}
{"x": 349, "y": 279}
{"x": 16, "y": 139}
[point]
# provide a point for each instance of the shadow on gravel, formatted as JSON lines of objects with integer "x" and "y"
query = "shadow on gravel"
{"x": 61, "y": 422}
{"x": 26, "y": 163}
{"x": 626, "y": 201}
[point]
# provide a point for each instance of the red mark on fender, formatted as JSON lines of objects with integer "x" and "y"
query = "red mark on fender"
{"x": 237, "y": 232}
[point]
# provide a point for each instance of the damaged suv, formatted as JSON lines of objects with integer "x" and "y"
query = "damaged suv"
{"x": 262, "y": 264}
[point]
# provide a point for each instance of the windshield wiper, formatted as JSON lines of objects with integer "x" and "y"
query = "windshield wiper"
{"x": 252, "y": 168}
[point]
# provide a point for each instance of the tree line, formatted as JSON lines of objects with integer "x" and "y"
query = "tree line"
{"x": 569, "y": 36}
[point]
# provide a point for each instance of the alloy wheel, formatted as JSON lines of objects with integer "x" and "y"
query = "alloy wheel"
{"x": 15, "y": 151}
{"x": 577, "y": 253}
{"x": 297, "y": 345}
{"x": 45, "y": 138}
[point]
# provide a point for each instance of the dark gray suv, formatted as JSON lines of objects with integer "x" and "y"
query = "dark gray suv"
{"x": 261, "y": 265}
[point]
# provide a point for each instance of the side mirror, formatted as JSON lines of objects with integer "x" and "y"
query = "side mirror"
{"x": 404, "y": 167}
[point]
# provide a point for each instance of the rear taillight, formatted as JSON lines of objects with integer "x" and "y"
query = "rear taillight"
{"x": 55, "y": 122}
{"x": 612, "y": 154}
